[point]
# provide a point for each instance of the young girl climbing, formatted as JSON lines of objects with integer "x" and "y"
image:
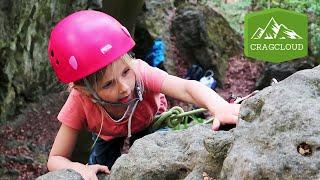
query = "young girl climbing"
{"x": 113, "y": 95}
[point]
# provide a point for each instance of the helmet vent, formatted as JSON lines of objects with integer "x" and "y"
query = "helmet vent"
{"x": 73, "y": 62}
{"x": 125, "y": 30}
{"x": 57, "y": 62}
{"x": 52, "y": 54}
{"x": 106, "y": 48}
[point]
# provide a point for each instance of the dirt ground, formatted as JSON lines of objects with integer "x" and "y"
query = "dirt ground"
{"x": 25, "y": 142}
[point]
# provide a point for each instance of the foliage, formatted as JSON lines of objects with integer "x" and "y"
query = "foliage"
{"x": 234, "y": 13}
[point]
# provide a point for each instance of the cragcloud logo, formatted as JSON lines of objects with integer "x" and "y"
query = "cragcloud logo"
{"x": 276, "y": 35}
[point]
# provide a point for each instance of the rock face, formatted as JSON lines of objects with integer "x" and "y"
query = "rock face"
{"x": 204, "y": 37}
{"x": 62, "y": 174}
{"x": 194, "y": 33}
{"x": 68, "y": 174}
{"x": 280, "y": 71}
{"x": 175, "y": 155}
{"x": 25, "y": 71}
{"x": 278, "y": 137}
{"x": 279, "y": 134}
{"x": 154, "y": 22}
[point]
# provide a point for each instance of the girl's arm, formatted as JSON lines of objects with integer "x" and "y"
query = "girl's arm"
{"x": 62, "y": 149}
{"x": 195, "y": 92}
{"x": 61, "y": 153}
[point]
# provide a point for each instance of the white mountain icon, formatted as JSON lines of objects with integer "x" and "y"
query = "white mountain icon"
{"x": 275, "y": 31}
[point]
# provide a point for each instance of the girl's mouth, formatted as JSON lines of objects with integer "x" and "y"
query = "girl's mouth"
{"x": 125, "y": 99}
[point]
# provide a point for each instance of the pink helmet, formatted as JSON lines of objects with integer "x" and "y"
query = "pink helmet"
{"x": 84, "y": 42}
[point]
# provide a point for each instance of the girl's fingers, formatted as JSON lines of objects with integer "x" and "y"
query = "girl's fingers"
{"x": 215, "y": 124}
{"x": 94, "y": 177}
{"x": 228, "y": 119}
{"x": 101, "y": 168}
{"x": 229, "y": 115}
{"x": 236, "y": 109}
{"x": 234, "y": 119}
{"x": 105, "y": 169}
{"x": 89, "y": 176}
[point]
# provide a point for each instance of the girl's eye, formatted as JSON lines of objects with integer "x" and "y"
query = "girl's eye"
{"x": 125, "y": 72}
{"x": 107, "y": 84}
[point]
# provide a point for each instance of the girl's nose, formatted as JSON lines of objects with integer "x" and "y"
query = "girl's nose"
{"x": 123, "y": 87}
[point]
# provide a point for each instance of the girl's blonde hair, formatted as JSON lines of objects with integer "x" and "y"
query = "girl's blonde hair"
{"x": 96, "y": 78}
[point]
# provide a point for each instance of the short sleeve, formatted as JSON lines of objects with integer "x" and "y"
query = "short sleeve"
{"x": 72, "y": 113}
{"x": 151, "y": 77}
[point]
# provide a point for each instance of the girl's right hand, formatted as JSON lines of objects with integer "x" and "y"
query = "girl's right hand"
{"x": 88, "y": 172}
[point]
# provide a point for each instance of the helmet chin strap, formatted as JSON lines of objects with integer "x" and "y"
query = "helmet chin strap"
{"x": 131, "y": 105}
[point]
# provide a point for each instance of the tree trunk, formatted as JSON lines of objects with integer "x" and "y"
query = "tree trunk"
{"x": 125, "y": 11}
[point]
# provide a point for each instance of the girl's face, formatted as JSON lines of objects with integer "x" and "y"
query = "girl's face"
{"x": 118, "y": 83}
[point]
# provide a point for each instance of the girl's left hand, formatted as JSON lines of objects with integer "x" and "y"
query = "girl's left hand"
{"x": 225, "y": 114}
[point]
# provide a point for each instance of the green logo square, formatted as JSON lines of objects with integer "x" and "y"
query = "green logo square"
{"x": 276, "y": 35}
